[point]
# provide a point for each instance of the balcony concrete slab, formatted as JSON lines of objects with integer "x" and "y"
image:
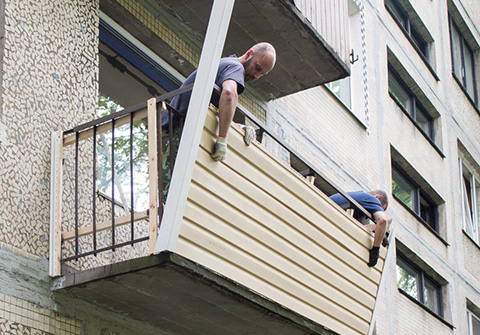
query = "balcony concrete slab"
{"x": 181, "y": 297}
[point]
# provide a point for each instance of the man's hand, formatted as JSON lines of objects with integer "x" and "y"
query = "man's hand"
{"x": 220, "y": 149}
{"x": 249, "y": 134}
{"x": 373, "y": 258}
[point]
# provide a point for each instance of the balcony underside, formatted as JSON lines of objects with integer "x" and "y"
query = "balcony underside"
{"x": 179, "y": 296}
{"x": 304, "y": 58}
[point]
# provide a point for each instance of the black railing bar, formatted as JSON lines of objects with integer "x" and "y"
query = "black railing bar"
{"x": 132, "y": 235}
{"x": 94, "y": 206}
{"x": 128, "y": 110}
{"x": 138, "y": 240}
{"x": 282, "y": 143}
{"x": 112, "y": 165}
{"x": 175, "y": 112}
{"x": 76, "y": 193}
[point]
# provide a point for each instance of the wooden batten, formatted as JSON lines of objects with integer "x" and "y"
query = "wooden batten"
{"x": 119, "y": 221}
{"x": 152, "y": 174}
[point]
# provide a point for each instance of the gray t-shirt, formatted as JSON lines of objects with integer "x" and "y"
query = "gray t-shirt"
{"x": 229, "y": 68}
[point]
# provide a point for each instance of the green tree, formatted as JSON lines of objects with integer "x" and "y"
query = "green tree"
{"x": 121, "y": 144}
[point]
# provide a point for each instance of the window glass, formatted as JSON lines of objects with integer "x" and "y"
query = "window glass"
{"x": 457, "y": 53}
{"x": 424, "y": 121}
{"x": 419, "y": 41}
{"x": 403, "y": 190}
{"x": 469, "y": 71}
{"x": 341, "y": 88}
{"x": 473, "y": 323}
{"x": 470, "y": 186}
{"x": 407, "y": 278}
{"x": 431, "y": 295}
{"x": 400, "y": 94}
{"x": 427, "y": 211}
{"x": 397, "y": 13}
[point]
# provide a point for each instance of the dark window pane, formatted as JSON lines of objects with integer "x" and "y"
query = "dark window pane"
{"x": 424, "y": 120}
{"x": 399, "y": 15}
{"x": 427, "y": 212}
{"x": 419, "y": 41}
{"x": 457, "y": 53}
{"x": 469, "y": 72}
{"x": 431, "y": 296}
{"x": 403, "y": 190}
{"x": 475, "y": 325}
{"x": 399, "y": 93}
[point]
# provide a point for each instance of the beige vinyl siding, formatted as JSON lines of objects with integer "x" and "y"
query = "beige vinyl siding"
{"x": 330, "y": 19}
{"x": 254, "y": 220}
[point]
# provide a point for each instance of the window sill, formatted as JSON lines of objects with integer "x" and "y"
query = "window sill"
{"x": 474, "y": 105}
{"x": 426, "y": 309}
{"x": 428, "y": 138}
{"x": 417, "y": 49}
{"x": 422, "y": 221}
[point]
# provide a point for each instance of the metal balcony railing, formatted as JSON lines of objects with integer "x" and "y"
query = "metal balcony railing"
{"x": 86, "y": 235}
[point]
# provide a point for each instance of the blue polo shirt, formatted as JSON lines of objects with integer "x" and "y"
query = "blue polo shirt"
{"x": 366, "y": 200}
{"x": 229, "y": 68}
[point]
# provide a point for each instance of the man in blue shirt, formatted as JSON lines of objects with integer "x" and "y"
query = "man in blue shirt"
{"x": 375, "y": 202}
{"x": 232, "y": 74}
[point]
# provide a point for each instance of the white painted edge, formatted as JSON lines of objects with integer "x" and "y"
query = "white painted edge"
{"x": 195, "y": 120}
{"x": 383, "y": 278}
{"x": 53, "y": 268}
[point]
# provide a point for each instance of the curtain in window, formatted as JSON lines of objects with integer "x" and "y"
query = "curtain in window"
{"x": 469, "y": 225}
{"x": 457, "y": 53}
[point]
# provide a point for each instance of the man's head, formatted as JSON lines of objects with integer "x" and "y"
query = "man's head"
{"x": 381, "y": 196}
{"x": 258, "y": 60}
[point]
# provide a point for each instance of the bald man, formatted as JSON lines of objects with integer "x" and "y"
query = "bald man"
{"x": 232, "y": 74}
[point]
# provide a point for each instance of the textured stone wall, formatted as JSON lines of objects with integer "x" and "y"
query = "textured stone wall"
{"x": 50, "y": 80}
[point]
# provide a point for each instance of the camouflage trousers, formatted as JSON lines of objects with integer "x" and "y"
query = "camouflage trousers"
{"x": 169, "y": 148}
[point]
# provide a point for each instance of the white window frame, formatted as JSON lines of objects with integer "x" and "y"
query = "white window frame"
{"x": 469, "y": 215}
{"x": 470, "y": 316}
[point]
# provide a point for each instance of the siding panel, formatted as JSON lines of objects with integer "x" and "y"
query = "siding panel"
{"x": 258, "y": 222}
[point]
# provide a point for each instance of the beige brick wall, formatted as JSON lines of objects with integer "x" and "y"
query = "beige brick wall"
{"x": 18, "y": 316}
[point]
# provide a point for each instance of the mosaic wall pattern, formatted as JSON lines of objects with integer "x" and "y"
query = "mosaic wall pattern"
{"x": 50, "y": 72}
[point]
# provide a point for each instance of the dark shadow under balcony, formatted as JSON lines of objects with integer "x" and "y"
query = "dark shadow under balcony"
{"x": 182, "y": 297}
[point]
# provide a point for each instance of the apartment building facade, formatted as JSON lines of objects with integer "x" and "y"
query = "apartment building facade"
{"x": 378, "y": 94}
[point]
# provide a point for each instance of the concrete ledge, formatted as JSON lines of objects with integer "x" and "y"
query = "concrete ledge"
{"x": 183, "y": 297}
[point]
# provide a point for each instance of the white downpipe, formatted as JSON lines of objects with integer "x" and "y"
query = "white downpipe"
{"x": 194, "y": 122}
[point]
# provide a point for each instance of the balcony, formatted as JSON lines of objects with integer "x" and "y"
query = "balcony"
{"x": 312, "y": 42}
{"x": 259, "y": 248}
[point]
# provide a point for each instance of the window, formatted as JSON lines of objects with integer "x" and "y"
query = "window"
{"x": 470, "y": 203}
{"x": 463, "y": 62}
{"x": 409, "y": 103}
{"x": 404, "y": 20}
{"x": 415, "y": 283}
{"x": 473, "y": 323}
{"x": 341, "y": 88}
{"x": 354, "y": 100}
{"x": 412, "y": 196}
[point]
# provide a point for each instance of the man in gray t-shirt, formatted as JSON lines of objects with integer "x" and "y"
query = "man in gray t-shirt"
{"x": 232, "y": 74}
